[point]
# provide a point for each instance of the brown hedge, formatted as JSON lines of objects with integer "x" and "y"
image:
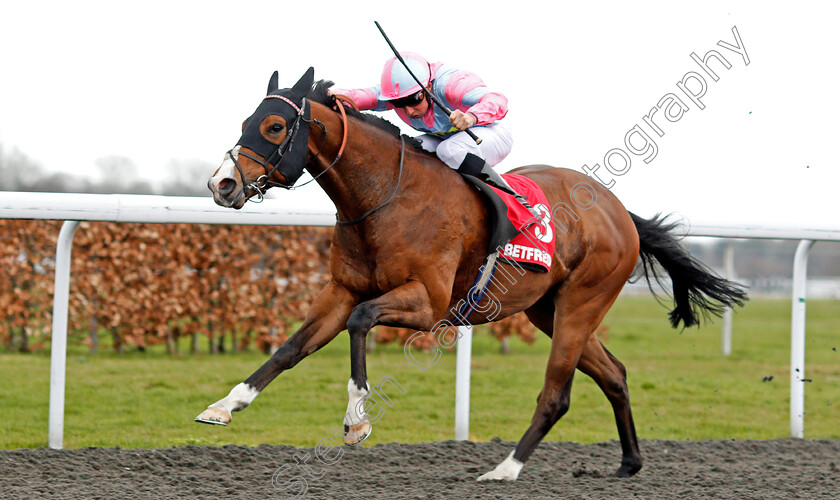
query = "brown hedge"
{"x": 145, "y": 284}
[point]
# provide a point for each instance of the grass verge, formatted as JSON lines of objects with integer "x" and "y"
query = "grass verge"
{"x": 680, "y": 384}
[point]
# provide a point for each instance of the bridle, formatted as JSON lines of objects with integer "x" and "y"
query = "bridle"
{"x": 271, "y": 164}
{"x": 263, "y": 182}
{"x": 394, "y": 193}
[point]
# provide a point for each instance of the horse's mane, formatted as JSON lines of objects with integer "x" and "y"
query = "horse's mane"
{"x": 319, "y": 94}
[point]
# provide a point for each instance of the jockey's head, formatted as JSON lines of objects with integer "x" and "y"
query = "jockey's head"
{"x": 401, "y": 89}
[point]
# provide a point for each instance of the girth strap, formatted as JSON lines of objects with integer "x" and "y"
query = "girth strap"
{"x": 477, "y": 291}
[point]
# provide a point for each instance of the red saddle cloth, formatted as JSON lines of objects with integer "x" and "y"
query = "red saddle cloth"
{"x": 534, "y": 245}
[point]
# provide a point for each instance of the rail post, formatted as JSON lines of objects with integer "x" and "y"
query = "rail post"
{"x": 462, "y": 383}
{"x": 729, "y": 272}
{"x": 797, "y": 340}
{"x": 58, "y": 341}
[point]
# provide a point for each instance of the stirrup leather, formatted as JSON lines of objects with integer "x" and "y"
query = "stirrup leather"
{"x": 477, "y": 167}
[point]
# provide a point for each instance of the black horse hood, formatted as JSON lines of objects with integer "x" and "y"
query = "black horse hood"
{"x": 288, "y": 158}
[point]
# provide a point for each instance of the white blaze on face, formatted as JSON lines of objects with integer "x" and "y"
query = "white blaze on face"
{"x": 227, "y": 170}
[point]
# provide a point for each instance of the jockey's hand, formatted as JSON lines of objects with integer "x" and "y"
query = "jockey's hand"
{"x": 331, "y": 95}
{"x": 461, "y": 120}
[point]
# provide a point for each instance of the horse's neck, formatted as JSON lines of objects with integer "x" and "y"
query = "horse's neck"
{"x": 368, "y": 172}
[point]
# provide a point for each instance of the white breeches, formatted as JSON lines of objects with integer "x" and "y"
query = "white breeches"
{"x": 496, "y": 142}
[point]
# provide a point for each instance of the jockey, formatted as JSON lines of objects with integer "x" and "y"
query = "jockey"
{"x": 473, "y": 106}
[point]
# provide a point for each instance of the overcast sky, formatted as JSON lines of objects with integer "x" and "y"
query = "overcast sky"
{"x": 162, "y": 81}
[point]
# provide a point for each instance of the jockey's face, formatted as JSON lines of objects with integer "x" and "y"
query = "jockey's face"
{"x": 413, "y": 108}
{"x": 418, "y": 110}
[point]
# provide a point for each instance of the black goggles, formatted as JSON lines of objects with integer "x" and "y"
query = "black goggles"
{"x": 411, "y": 100}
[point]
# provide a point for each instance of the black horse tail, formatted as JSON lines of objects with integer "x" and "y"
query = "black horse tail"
{"x": 697, "y": 290}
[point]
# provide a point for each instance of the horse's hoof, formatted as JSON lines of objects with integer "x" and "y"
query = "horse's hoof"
{"x": 508, "y": 470}
{"x": 628, "y": 470}
{"x": 215, "y": 416}
{"x": 495, "y": 475}
{"x": 356, "y": 434}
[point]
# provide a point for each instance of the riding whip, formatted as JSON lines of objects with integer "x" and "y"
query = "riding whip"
{"x": 433, "y": 97}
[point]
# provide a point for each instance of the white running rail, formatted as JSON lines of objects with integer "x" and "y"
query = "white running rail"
{"x": 73, "y": 208}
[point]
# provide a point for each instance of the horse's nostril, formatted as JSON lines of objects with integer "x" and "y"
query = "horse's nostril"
{"x": 226, "y": 186}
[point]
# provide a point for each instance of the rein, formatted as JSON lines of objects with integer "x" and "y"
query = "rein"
{"x": 340, "y": 150}
{"x": 396, "y": 188}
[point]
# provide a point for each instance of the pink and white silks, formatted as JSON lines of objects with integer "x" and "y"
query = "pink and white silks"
{"x": 461, "y": 90}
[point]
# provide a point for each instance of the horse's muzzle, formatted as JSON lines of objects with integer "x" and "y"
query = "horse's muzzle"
{"x": 226, "y": 187}
{"x": 225, "y": 193}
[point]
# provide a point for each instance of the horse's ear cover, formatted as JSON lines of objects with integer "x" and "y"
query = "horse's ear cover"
{"x": 292, "y": 154}
{"x": 304, "y": 85}
{"x": 273, "y": 84}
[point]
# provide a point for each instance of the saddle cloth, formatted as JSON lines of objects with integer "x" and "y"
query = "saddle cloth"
{"x": 533, "y": 245}
{"x": 515, "y": 235}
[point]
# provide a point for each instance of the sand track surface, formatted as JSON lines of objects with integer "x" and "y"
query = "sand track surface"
{"x": 781, "y": 468}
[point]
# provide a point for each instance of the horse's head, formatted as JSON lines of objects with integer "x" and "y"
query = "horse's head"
{"x": 273, "y": 148}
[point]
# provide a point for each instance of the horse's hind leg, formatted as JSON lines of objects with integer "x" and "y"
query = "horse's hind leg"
{"x": 610, "y": 375}
{"x": 579, "y": 306}
{"x": 573, "y": 322}
{"x": 567, "y": 345}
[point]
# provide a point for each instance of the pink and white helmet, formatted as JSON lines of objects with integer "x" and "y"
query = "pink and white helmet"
{"x": 397, "y": 82}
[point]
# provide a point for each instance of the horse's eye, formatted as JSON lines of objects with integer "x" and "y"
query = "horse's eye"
{"x": 276, "y": 128}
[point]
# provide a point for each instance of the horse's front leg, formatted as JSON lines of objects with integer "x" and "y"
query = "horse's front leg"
{"x": 326, "y": 318}
{"x": 408, "y": 306}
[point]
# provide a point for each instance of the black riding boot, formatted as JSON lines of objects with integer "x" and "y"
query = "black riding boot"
{"x": 475, "y": 166}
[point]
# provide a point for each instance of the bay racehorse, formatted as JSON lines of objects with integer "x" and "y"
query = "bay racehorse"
{"x": 410, "y": 237}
